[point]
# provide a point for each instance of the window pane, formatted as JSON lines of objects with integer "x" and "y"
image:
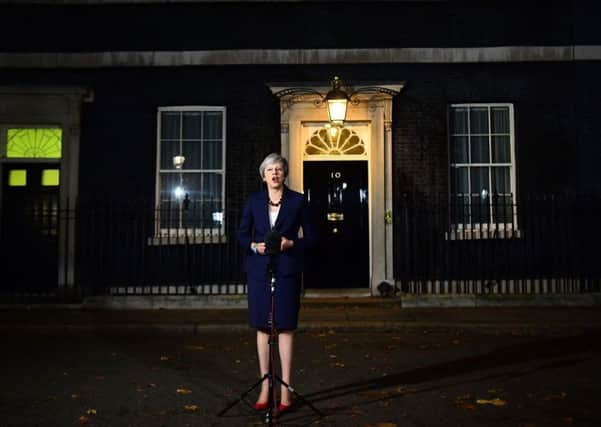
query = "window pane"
{"x": 500, "y": 180}
{"x": 213, "y": 125}
{"x": 459, "y": 180}
{"x": 479, "y": 149}
{"x": 500, "y": 119}
{"x": 192, "y": 125}
{"x": 17, "y": 178}
{"x": 479, "y": 182}
{"x": 459, "y": 149}
{"x": 212, "y": 155}
{"x": 170, "y": 125}
{"x": 502, "y": 208}
{"x": 479, "y": 120}
{"x": 34, "y": 143}
{"x": 169, "y": 185}
{"x": 459, "y": 120}
{"x": 212, "y": 201}
{"x": 50, "y": 177}
{"x": 191, "y": 212}
{"x": 192, "y": 186}
{"x": 168, "y": 150}
{"x": 500, "y": 149}
{"x": 192, "y": 152}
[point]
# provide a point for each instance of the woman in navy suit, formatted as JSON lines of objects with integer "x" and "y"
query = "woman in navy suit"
{"x": 280, "y": 209}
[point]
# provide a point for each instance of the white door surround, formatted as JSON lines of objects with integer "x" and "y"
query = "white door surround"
{"x": 373, "y": 115}
{"x": 60, "y": 107}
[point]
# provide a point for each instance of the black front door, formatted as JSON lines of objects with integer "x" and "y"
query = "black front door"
{"x": 337, "y": 195}
{"x": 29, "y": 226}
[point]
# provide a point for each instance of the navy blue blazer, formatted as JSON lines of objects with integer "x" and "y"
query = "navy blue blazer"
{"x": 254, "y": 224}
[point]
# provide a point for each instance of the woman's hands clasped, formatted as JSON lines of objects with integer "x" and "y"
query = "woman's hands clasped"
{"x": 260, "y": 248}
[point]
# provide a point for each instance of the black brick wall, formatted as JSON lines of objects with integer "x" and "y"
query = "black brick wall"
{"x": 227, "y": 25}
{"x": 556, "y": 120}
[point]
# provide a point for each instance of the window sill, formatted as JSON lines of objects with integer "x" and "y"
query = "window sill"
{"x": 187, "y": 239}
{"x": 483, "y": 233}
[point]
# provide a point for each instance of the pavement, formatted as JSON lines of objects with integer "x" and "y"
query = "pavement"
{"x": 365, "y": 362}
{"x": 316, "y": 313}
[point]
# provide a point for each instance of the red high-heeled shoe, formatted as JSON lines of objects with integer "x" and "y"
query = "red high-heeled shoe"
{"x": 284, "y": 408}
{"x": 259, "y": 406}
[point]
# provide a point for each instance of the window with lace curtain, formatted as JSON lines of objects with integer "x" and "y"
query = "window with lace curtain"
{"x": 190, "y": 196}
{"x": 482, "y": 167}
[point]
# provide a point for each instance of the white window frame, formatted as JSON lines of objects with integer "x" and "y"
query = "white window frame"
{"x": 185, "y": 235}
{"x": 479, "y": 230}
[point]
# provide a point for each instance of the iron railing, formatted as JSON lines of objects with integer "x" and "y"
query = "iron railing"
{"x": 543, "y": 244}
{"x": 540, "y": 245}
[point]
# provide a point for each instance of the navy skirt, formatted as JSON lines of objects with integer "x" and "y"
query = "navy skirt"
{"x": 287, "y": 301}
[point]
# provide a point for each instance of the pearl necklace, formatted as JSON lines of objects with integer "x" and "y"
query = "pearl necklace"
{"x": 270, "y": 203}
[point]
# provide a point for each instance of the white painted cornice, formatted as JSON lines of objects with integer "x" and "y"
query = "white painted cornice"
{"x": 435, "y": 55}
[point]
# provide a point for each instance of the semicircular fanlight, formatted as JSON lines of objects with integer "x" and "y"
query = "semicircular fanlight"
{"x": 344, "y": 141}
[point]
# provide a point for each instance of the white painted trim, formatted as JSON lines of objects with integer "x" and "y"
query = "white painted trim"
{"x": 437, "y": 55}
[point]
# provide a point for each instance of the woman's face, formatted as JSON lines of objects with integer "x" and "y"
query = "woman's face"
{"x": 273, "y": 175}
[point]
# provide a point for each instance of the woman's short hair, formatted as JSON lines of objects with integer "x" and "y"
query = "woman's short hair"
{"x": 271, "y": 159}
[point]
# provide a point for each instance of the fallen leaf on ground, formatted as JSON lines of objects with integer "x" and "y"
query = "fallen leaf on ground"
{"x": 75, "y": 396}
{"x": 461, "y": 402}
{"x": 183, "y": 391}
{"x": 100, "y": 378}
{"x": 558, "y": 396}
{"x": 165, "y": 357}
{"x": 456, "y": 342}
{"x": 568, "y": 420}
{"x": 191, "y": 408}
{"x": 83, "y": 420}
{"x": 196, "y": 347}
{"x": 338, "y": 365}
{"x": 495, "y": 402}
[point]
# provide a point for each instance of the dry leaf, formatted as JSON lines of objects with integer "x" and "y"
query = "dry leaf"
{"x": 568, "y": 420}
{"x": 183, "y": 391}
{"x": 91, "y": 411}
{"x": 333, "y": 356}
{"x": 83, "y": 420}
{"x": 495, "y": 402}
{"x": 338, "y": 365}
{"x": 75, "y": 396}
{"x": 191, "y": 408}
{"x": 165, "y": 358}
{"x": 460, "y": 402}
{"x": 100, "y": 378}
{"x": 152, "y": 385}
{"x": 558, "y": 396}
{"x": 456, "y": 342}
{"x": 196, "y": 347}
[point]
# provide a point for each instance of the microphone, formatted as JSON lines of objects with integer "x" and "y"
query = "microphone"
{"x": 273, "y": 241}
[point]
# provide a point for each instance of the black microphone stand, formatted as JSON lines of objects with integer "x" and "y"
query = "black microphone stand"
{"x": 271, "y": 376}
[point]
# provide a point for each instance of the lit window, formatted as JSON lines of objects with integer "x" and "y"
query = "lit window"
{"x": 34, "y": 143}
{"x": 17, "y": 178}
{"x": 191, "y": 196}
{"x": 50, "y": 177}
{"x": 482, "y": 168}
